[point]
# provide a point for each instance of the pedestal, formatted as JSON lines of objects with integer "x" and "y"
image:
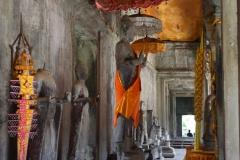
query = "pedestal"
{"x": 206, "y": 155}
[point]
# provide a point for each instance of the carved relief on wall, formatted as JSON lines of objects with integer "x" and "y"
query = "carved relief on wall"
{"x": 181, "y": 59}
{"x": 178, "y": 56}
{"x": 86, "y": 52}
{"x": 178, "y": 59}
{"x": 165, "y": 60}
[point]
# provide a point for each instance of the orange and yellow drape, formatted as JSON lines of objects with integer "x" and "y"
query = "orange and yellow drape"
{"x": 128, "y": 101}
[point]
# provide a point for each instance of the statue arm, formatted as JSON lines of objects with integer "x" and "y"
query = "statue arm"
{"x": 91, "y": 101}
{"x": 122, "y": 58}
{"x": 67, "y": 98}
{"x": 43, "y": 100}
{"x": 82, "y": 99}
{"x": 141, "y": 60}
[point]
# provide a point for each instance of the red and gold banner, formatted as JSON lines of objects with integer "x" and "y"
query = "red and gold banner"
{"x": 114, "y": 5}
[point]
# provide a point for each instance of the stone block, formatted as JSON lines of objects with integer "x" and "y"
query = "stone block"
{"x": 168, "y": 152}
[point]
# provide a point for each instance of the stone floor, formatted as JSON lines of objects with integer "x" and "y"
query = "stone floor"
{"x": 180, "y": 153}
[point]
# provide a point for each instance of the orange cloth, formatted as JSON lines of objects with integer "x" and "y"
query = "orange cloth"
{"x": 128, "y": 102}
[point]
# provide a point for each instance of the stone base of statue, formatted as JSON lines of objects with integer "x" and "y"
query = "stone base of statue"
{"x": 136, "y": 154}
{"x": 209, "y": 146}
{"x": 129, "y": 151}
{"x": 155, "y": 152}
{"x": 167, "y": 151}
{"x": 133, "y": 152}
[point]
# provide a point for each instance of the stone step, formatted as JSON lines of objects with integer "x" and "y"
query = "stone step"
{"x": 168, "y": 152}
{"x": 181, "y": 143}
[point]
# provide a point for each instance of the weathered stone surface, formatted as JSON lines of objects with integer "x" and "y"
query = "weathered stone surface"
{"x": 48, "y": 28}
{"x": 148, "y": 85}
{"x": 49, "y": 114}
{"x": 55, "y": 29}
{"x": 228, "y": 59}
{"x": 178, "y": 56}
{"x": 103, "y": 33}
{"x": 5, "y": 27}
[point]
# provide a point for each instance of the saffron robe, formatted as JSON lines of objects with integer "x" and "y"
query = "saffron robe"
{"x": 128, "y": 101}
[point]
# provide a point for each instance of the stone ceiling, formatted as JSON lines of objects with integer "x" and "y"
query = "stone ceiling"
{"x": 181, "y": 20}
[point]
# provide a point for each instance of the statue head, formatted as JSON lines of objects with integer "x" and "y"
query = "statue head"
{"x": 126, "y": 28}
{"x": 142, "y": 105}
{"x": 81, "y": 71}
{"x": 156, "y": 121}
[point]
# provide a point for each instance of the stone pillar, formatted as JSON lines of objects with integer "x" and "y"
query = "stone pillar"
{"x": 219, "y": 84}
{"x": 171, "y": 113}
{"x": 230, "y": 99}
{"x": 149, "y": 120}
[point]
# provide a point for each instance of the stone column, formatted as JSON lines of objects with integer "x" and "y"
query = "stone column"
{"x": 173, "y": 126}
{"x": 219, "y": 84}
{"x": 229, "y": 105}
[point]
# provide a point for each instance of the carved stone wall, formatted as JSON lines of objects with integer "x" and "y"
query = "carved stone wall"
{"x": 47, "y": 27}
{"x": 148, "y": 85}
{"x": 5, "y": 60}
{"x": 54, "y": 28}
{"x": 168, "y": 84}
{"x": 178, "y": 56}
{"x": 184, "y": 106}
{"x": 229, "y": 108}
{"x": 63, "y": 32}
{"x": 95, "y": 36}
{"x": 106, "y": 129}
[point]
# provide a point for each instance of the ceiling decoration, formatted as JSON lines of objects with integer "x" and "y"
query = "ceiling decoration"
{"x": 181, "y": 20}
{"x": 114, "y": 5}
{"x": 148, "y": 45}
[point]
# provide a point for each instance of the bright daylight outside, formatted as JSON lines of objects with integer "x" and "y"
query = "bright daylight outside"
{"x": 188, "y": 123}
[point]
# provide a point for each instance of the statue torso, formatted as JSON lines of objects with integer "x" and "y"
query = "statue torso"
{"x": 79, "y": 90}
{"x": 127, "y": 70}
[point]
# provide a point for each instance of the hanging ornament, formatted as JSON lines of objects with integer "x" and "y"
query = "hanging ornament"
{"x": 22, "y": 123}
{"x": 146, "y": 25}
{"x": 114, "y": 5}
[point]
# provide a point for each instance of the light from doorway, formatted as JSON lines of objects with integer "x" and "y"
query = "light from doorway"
{"x": 188, "y": 123}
